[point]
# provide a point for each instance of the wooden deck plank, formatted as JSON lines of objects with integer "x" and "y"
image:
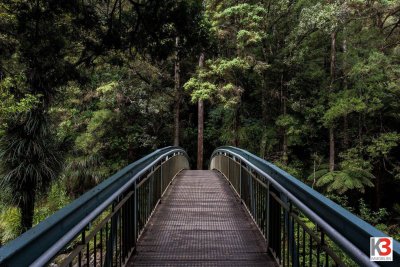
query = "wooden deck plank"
{"x": 200, "y": 222}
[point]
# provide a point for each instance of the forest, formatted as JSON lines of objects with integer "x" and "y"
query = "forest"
{"x": 89, "y": 86}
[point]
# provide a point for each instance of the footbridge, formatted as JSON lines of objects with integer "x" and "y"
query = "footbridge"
{"x": 243, "y": 211}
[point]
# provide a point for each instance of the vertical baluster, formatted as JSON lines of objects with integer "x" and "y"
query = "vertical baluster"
{"x": 273, "y": 229}
{"x": 251, "y": 195}
{"x": 289, "y": 236}
{"x": 304, "y": 247}
{"x": 153, "y": 191}
{"x": 88, "y": 253}
{"x": 120, "y": 237}
{"x": 318, "y": 248}
{"x": 108, "y": 248}
{"x": 298, "y": 243}
{"x": 95, "y": 250}
{"x": 268, "y": 216}
{"x": 83, "y": 241}
{"x": 148, "y": 198}
{"x": 240, "y": 179}
{"x": 129, "y": 225}
{"x": 311, "y": 242}
{"x": 260, "y": 204}
{"x": 123, "y": 228}
{"x": 140, "y": 208}
{"x": 292, "y": 236}
{"x": 114, "y": 237}
{"x": 263, "y": 209}
{"x": 101, "y": 246}
{"x": 323, "y": 246}
{"x": 135, "y": 214}
{"x": 281, "y": 214}
{"x": 256, "y": 202}
{"x": 161, "y": 178}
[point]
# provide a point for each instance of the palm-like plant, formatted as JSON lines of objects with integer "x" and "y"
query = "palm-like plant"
{"x": 347, "y": 177}
{"x": 30, "y": 159}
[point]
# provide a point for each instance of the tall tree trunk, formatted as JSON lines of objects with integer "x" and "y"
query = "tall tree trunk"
{"x": 331, "y": 149}
{"x": 360, "y": 139}
{"x": 285, "y": 136}
{"x": 345, "y": 132}
{"x": 178, "y": 94}
{"x": 331, "y": 127}
{"x": 345, "y": 118}
{"x": 264, "y": 106}
{"x": 27, "y": 208}
{"x": 200, "y": 124}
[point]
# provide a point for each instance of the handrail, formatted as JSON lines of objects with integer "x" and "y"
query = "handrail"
{"x": 40, "y": 244}
{"x": 347, "y": 230}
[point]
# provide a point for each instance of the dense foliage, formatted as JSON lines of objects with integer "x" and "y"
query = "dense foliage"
{"x": 88, "y": 86}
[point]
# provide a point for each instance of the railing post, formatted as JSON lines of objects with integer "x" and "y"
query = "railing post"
{"x": 161, "y": 178}
{"x": 240, "y": 178}
{"x": 291, "y": 237}
{"x": 229, "y": 165}
{"x": 267, "y": 215}
{"x": 135, "y": 214}
{"x": 83, "y": 241}
{"x": 151, "y": 184}
{"x": 251, "y": 194}
{"x": 111, "y": 239}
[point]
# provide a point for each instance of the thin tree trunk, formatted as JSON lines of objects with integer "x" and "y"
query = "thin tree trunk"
{"x": 345, "y": 118}
{"x": 27, "y": 208}
{"x": 285, "y": 136}
{"x": 315, "y": 169}
{"x": 200, "y": 124}
{"x": 331, "y": 150}
{"x": 345, "y": 132}
{"x": 360, "y": 139}
{"x": 331, "y": 128}
{"x": 264, "y": 106}
{"x": 178, "y": 93}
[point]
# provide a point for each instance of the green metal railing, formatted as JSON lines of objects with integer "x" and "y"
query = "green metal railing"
{"x": 102, "y": 226}
{"x": 301, "y": 226}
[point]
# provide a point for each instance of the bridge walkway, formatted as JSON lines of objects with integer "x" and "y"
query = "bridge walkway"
{"x": 200, "y": 222}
